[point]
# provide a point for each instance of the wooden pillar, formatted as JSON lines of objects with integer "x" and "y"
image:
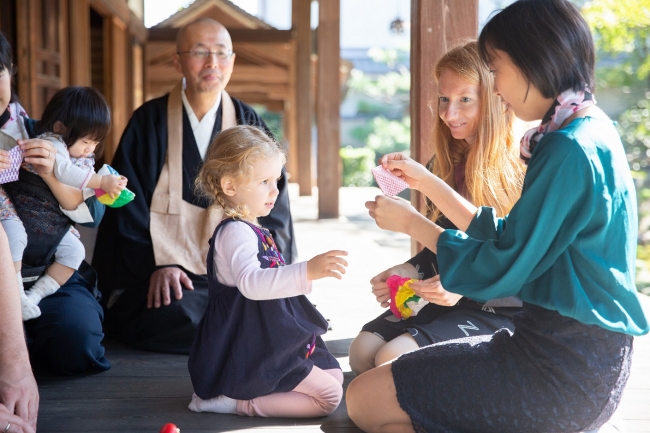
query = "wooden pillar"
{"x": 116, "y": 81}
{"x": 138, "y": 76}
{"x": 435, "y": 26}
{"x": 24, "y": 55}
{"x": 289, "y": 127}
{"x": 80, "y": 72}
{"x": 328, "y": 102}
{"x": 42, "y": 51}
{"x": 302, "y": 107}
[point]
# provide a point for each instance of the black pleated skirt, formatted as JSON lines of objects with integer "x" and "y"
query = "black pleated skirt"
{"x": 553, "y": 374}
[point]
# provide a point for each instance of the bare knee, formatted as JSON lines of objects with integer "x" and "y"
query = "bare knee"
{"x": 372, "y": 405}
{"x": 354, "y": 400}
{"x": 363, "y": 350}
{"x": 395, "y": 348}
{"x": 360, "y": 399}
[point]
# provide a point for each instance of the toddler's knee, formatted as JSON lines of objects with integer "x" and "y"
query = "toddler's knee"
{"x": 70, "y": 251}
{"x": 330, "y": 399}
{"x": 17, "y": 238}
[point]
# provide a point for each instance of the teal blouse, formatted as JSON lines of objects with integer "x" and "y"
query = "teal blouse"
{"x": 569, "y": 243}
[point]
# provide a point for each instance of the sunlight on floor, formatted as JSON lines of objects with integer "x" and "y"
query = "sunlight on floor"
{"x": 347, "y": 303}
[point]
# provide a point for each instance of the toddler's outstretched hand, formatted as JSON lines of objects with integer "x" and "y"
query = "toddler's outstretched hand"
{"x": 328, "y": 264}
{"x": 113, "y": 184}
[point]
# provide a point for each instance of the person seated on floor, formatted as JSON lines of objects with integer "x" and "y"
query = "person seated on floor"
{"x": 567, "y": 249}
{"x": 150, "y": 259}
{"x": 258, "y": 349}
{"x": 75, "y": 121}
{"x": 67, "y": 337}
{"x": 18, "y": 390}
{"x": 474, "y": 153}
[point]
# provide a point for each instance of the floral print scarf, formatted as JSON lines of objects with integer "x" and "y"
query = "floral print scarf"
{"x": 10, "y": 123}
{"x": 567, "y": 103}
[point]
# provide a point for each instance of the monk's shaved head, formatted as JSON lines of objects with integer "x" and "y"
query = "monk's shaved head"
{"x": 182, "y": 35}
{"x": 205, "y": 57}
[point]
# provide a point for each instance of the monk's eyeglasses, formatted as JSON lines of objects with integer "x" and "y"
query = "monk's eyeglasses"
{"x": 222, "y": 56}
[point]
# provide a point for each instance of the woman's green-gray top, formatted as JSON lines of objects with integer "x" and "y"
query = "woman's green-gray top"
{"x": 569, "y": 244}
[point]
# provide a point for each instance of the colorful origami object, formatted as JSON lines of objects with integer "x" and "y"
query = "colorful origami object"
{"x": 125, "y": 196}
{"x": 404, "y": 303}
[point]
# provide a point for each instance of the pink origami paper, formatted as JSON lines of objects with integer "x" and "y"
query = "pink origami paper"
{"x": 388, "y": 182}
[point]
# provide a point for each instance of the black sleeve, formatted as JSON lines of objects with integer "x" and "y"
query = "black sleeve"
{"x": 123, "y": 240}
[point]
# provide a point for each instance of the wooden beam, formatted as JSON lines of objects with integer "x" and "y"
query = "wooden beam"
{"x": 137, "y": 29}
{"x": 24, "y": 57}
{"x": 60, "y": 27}
{"x": 274, "y": 54}
{"x": 290, "y": 115}
{"x": 268, "y": 74}
{"x": 168, "y": 34}
{"x": 42, "y": 52}
{"x": 80, "y": 72}
{"x": 328, "y": 103}
{"x": 121, "y": 10}
{"x": 116, "y": 83}
{"x": 301, "y": 14}
{"x": 275, "y": 91}
{"x": 138, "y": 76}
{"x": 435, "y": 27}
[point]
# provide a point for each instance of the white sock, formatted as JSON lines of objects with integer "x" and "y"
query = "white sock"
{"x": 29, "y": 309}
{"x": 43, "y": 287}
{"x": 220, "y": 404}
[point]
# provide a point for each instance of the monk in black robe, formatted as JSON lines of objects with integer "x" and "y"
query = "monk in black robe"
{"x": 158, "y": 307}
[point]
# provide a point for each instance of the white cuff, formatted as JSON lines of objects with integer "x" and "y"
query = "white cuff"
{"x": 81, "y": 214}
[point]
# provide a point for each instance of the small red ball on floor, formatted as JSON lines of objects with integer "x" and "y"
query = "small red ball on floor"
{"x": 170, "y": 428}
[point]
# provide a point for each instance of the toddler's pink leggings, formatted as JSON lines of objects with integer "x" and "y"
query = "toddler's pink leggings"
{"x": 319, "y": 394}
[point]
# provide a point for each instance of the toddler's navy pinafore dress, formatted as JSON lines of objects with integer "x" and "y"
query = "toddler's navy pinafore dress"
{"x": 245, "y": 349}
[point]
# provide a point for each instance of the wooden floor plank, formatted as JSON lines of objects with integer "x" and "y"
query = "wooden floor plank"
{"x": 144, "y": 390}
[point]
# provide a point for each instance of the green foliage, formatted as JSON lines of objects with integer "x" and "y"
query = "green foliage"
{"x": 366, "y": 107}
{"x": 273, "y": 120}
{"x": 390, "y": 88}
{"x": 643, "y": 268}
{"x": 622, "y": 32}
{"x": 389, "y": 135}
{"x": 389, "y": 56}
{"x": 357, "y": 164}
{"x": 390, "y": 128}
{"x": 634, "y": 127}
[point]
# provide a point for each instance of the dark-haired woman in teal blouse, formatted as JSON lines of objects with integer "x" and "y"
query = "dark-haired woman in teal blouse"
{"x": 567, "y": 249}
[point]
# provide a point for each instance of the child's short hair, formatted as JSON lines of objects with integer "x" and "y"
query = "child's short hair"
{"x": 548, "y": 40}
{"x": 233, "y": 153}
{"x": 83, "y": 111}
